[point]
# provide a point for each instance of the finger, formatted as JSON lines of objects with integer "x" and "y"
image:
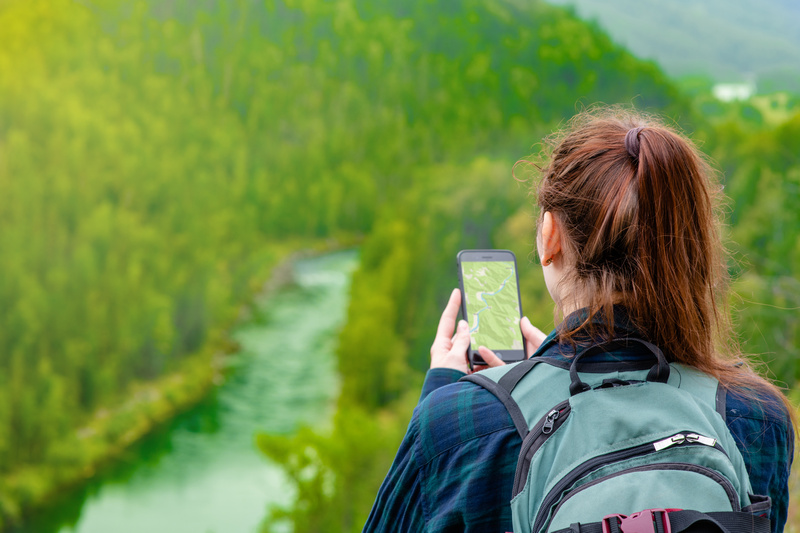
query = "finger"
{"x": 448, "y": 321}
{"x": 444, "y": 332}
{"x": 491, "y": 359}
{"x": 461, "y": 342}
{"x": 456, "y": 357}
{"x": 533, "y": 335}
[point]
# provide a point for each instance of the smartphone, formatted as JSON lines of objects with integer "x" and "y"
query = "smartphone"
{"x": 490, "y": 303}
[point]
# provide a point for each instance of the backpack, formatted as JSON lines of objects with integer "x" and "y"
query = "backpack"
{"x": 631, "y": 447}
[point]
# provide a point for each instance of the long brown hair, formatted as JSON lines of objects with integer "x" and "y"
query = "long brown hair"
{"x": 639, "y": 208}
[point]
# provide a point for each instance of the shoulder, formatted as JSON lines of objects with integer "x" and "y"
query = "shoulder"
{"x": 760, "y": 423}
{"x": 762, "y": 429}
{"x": 456, "y": 415}
{"x": 466, "y": 450}
{"x": 760, "y": 409}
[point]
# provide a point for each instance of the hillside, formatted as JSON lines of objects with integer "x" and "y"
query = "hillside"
{"x": 157, "y": 156}
{"x": 727, "y": 40}
{"x": 154, "y": 155}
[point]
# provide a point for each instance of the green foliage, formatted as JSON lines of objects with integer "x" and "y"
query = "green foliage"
{"x": 153, "y": 155}
{"x": 156, "y": 158}
{"x": 464, "y": 98}
{"x": 408, "y": 258}
{"x": 763, "y": 182}
{"x": 408, "y": 265}
{"x": 335, "y": 474}
{"x": 77, "y": 455}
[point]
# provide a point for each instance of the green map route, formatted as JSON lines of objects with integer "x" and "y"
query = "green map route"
{"x": 492, "y": 303}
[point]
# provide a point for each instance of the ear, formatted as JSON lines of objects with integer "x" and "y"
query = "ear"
{"x": 550, "y": 238}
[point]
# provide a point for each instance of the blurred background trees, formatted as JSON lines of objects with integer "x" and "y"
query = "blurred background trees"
{"x": 156, "y": 158}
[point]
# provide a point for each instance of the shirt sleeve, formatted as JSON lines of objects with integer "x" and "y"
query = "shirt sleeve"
{"x": 398, "y": 506}
{"x": 764, "y": 434}
{"x": 439, "y": 377}
{"x": 778, "y": 484}
{"x": 405, "y": 501}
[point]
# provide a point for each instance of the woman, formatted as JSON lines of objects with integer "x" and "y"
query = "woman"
{"x": 629, "y": 246}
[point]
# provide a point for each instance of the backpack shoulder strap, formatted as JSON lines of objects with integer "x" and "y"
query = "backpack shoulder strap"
{"x": 722, "y": 400}
{"x": 502, "y": 390}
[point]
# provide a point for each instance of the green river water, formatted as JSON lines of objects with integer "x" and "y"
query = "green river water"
{"x": 203, "y": 473}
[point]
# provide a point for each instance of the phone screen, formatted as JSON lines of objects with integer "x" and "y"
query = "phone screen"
{"x": 491, "y": 302}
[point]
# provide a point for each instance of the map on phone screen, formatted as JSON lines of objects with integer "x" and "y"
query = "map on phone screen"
{"x": 490, "y": 289}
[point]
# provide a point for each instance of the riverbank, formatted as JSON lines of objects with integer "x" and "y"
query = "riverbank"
{"x": 146, "y": 406}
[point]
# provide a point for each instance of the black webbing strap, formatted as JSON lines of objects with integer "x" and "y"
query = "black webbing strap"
{"x": 513, "y": 376}
{"x": 689, "y": 522}
{"x": 722, "y": 398}
{"x": 505, "y": 397}
{"x": 730, "y": 522}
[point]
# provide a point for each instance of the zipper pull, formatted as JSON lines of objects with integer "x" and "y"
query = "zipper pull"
{"x": 549, "y": 421}
{"x": 694, "y": 437}
{"x": 670, "y": 441}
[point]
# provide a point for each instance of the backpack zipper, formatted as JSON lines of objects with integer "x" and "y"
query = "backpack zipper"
{"x": 679, "y": 439}
{"x": 730, "y": 491}
{"x": 535, "y": 438}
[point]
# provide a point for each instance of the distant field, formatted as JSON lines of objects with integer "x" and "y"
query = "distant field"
{"x": 727, "y": 40}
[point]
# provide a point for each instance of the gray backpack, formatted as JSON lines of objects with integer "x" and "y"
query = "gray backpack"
{"x": 631, "y": 447}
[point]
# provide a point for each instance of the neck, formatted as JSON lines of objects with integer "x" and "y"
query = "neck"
{"x": 578, "y": 300}
{"x": 572, "y": 302}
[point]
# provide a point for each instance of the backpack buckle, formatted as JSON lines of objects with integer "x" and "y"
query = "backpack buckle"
{"x": 647, "y": 521}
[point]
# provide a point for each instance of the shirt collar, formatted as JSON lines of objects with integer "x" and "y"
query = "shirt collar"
{"x": 623, "y": 327}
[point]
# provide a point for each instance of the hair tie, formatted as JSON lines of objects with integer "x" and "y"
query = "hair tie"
{"x": 632, "y": 142}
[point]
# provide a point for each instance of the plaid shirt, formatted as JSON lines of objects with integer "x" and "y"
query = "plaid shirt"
{"x": 455, "y": 468}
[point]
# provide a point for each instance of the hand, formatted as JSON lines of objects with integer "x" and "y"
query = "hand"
{"x": 533, "y": 337}
{"x": 448, "y": 350}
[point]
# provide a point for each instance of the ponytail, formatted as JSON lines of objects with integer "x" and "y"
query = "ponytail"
{"x": 680, "y": 252}
{"x": 638, "y": 206}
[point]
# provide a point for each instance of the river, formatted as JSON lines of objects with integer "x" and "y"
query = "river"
{"x": 203, "y": 473}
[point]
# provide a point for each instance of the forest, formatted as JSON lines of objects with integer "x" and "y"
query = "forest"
{"x": 158, "y": 159}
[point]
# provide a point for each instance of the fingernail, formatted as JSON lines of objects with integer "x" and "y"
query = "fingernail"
{"x": 462, "y": 325}
{"x": 525, "y": 319}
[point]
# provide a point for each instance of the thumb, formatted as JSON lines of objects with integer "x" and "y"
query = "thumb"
{"x": 491, "y": 359}
{"x": 461, "y": 340}
{"x": 533, "y": 335}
